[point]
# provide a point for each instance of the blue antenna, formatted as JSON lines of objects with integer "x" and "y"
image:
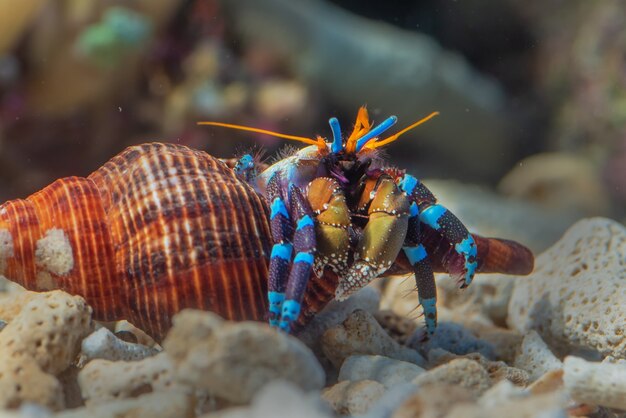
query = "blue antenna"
{"x": 386, "y": 124}
{"x": 337, "y": 144}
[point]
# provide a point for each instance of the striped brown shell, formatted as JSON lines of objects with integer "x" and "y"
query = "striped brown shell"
{"x": 158, "y": 228}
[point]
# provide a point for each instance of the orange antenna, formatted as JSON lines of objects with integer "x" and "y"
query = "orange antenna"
{"x": 319, "y": 141}
{"x": 383, "y": 142}
{"x": 361, "y": 127}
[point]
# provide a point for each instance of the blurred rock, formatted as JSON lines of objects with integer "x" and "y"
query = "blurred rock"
{"x": 497, "y": 370}
{"x": 457, "y": 339}
{"x": 400, "y": 328}
{"x": 464, "y": 373}
{"x": 488, "y": 295}
{"x": 278, "y": 400}
{"x": 535, "y": 356}
{"x": 102, "y": 381}
{"x": 353, "y": 398}
{"x": 361, "y": 334}
{"x": 501, "y": 392}
{"x": 381, "y": 369}
{"x": 601, "y": 384}
{"x": 576, "y": 299}
{"x": 432, "y": 401}
{"x": 234, "y": 360}
{"x": 150, "y": 405}
{"x": 366, "y": 299}
{"x": 544, "y": 406}
{"x": 558, "y": 182}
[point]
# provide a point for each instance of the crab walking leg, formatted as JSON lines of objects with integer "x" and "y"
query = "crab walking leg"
{"x": 445, "y": 223}
{"x": 425, "y": 281}
{"x": 280, "y": 258}
{"x": 424, "y": 277}
{"x": 382, "y": 237}
{"x": 304, "y": 247}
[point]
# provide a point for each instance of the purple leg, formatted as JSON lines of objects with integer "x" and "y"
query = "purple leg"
{"x": 280, "y": 259}
{"x": 304, "y": 246}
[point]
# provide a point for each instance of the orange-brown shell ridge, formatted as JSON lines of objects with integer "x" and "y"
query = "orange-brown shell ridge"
{"x": 158, "y": 228}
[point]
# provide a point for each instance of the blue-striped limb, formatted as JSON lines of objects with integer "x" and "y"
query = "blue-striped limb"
{"x": 282, "y": 251}
{"x": 304, "y": 248}
{"x": 288, "y": 275}
{"x": 444, "y": 223}
{"x": 425, "y": 281}
{"x": 382, "y": 238}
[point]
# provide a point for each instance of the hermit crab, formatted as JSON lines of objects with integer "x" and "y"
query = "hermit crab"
{"x": 162, "y": 227}
{"x": 336, "y": 205}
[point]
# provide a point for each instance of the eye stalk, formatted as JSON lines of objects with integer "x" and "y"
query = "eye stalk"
{"x": 337, "y": 145}
{"x": 385, "y": 125}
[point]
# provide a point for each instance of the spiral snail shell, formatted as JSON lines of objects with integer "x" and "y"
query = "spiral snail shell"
{"x": 158, "y": 228}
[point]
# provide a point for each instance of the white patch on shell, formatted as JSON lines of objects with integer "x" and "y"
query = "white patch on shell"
{"x": 6, "y": 248}
{"x": 54, "y": 252}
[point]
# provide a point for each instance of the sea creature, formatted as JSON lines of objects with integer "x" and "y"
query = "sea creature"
{"x": 336, "y": 206}
{"x": 162, "y": 227}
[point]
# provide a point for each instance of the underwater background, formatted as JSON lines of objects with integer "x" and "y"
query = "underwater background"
{"x": 529, "y": 145}
{"x": 531, "y": 95}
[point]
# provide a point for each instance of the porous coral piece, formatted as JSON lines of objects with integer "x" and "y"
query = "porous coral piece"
{"x": 489, "y": 296}
{"x": 544, "y": 406}
{"x": 353, "y": 398}
{"x": 535, "y": 356}
{"x": 400, "y": 328}
{"x": 103, "y": 380}
{"x": 234, "y": 360}
{"x": 575, "y": 297}
{"x": 49, "y": 329}
{"x": 505, "y": 342}
{"x": 431, "y": 401}
{"x": 12, "y": 303}
{"x": 497, "y": 370}
{"x": 360, "y": 333}
{"x": 151, "y": 405}
{"x": 601, "y": 384}
{"x": 41, "y": 341}
{"x": 381, "y": 369}
{"x": 22, "y": 380}
{"x": 336, "y": 312}
{"x": 456, "y": 339}
{"x": 278, "y": 400}
{"x": 103, "y": 344}
{"x": 462, "y": 372}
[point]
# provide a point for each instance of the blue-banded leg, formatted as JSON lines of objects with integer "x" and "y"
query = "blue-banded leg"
{"x": 425, "y": 281}
{"x": 304, "y": 248}
{"x": 418, "y": 257}
{"x": 280, "y": 258}
{"x": 444, "y": 223}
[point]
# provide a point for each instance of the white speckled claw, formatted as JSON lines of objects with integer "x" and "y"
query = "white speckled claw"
{"x": 359, "y": 276}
